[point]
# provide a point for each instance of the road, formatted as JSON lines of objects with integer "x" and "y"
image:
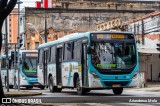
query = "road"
{"x": 99, "y": 96}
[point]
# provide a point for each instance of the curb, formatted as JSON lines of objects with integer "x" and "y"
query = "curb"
{"x": 21, "y": 93}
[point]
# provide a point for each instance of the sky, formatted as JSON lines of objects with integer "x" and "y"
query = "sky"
{"x": 27, "y": 3}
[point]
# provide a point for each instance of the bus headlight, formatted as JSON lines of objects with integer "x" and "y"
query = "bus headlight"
{"x": 134, "y": 76}
{"x": 95, "y": 75}
{"x": 23, "y": 78}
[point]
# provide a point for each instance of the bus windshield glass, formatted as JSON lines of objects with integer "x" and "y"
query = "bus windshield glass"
{"x": 114, "y": 54}
{"x": 29, "y": 64}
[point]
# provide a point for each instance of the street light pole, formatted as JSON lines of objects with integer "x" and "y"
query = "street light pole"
{"x": 45, "y": 28}
{"x": 43, "y": 39}
{"x": 18, "y": 39}
{"x": 6, "y": 50}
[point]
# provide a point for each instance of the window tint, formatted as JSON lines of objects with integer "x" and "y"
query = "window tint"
{"x": 49, "y": 59}
{"x": 53, "y": 54}
{"x": 3, "y": 63}
{"x": 73, "y": 50}
{"x": 40, "y": 56}
{"x": 77, "y": 50}
{"x": 68, "y": 51}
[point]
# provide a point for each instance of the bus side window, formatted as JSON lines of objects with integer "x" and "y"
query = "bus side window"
{"x": 3, "y": 63}
{"x": 49, "y": 54}
{"x": 68, "y": 48}
{"x": 40, "y": 56}
{"x": 77, "y": 49}
{"x": 72, "y": 50}
{"x": 53, "y": 54}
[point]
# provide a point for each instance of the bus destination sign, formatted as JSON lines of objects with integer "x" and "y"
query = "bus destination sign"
{"x": 31, "y": 54}
{"x": 110, "y": 36}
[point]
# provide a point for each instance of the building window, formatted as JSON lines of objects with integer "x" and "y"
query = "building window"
{"x": 28, "y": 46}
{"x": 36, "y": 45}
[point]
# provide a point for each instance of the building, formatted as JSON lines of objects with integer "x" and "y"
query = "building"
{"x": 147, "y": 31}
{"x": 12, "y": 25}
{"x": 60, "y": 24}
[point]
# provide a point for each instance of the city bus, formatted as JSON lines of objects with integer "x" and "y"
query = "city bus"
{"x": 28, "y": 69}
{"x": 89, "y": 61}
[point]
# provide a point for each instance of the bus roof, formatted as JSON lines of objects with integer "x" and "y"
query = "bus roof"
{"x": 21, "y": 51}
{"x": 65, "y": 38}
{"x": 76, "y": 36}
{"x": 28, "y": 51}
{"x": 111, "y": 31}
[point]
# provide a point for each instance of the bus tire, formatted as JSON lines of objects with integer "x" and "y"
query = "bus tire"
{"x": 80, "y": 90}
{"x": 117, "y": 91}
{"x": 29, "y": 87}
{"x": 87, "y": 90}
{"x": 10, "y": 86}
{"x": 52, "y": 88}
{"x": 42, "y": 87}
{"x": 59, "y": 89}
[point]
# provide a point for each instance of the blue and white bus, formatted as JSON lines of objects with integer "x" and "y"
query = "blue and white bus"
{"x": 28, "y": 69}
{"x": 89, "y": 61}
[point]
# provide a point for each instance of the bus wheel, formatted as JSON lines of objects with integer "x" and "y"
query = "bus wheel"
{"x": 117, "y": 91}
{"x": 87, "y": 90}
{"x": 52, "y": 88}
{"x": 59, "y": 89}
{"x": 42, "y": 87}
{"x": 80, "y": 90}
{"x": 29, "y": 87}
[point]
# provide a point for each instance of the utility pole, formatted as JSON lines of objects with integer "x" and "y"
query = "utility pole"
{"x": 18, "y": 39}
{"x": 45, "y": 28}
{"x": 6, "y": 50}
{"x": 15, "y": 57}
{"x": 143, "y": 32}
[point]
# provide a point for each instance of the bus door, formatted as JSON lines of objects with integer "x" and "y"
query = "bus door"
{"x": 45, "y": 64}
{"x": 84, "y": 66}
{"x": 58, "y": 66}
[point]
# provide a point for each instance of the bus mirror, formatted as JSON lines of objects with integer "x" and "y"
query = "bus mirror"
{"x": 89, "y": 50}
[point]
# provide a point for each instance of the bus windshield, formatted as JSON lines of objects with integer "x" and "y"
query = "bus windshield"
{"x": 116, "y": 55}
{"x": 29, "y": 66}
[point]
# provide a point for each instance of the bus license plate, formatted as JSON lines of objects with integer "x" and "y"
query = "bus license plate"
{"x": 36, "y": 84}
{"x": 116, "y": 85}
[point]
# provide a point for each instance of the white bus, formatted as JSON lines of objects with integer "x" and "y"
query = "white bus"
{"x": 28, "y": 69}
{"x": 89, "y": 61}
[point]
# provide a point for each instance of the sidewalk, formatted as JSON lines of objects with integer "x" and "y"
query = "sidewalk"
{"x": 149, "y": 87}
{"x": 16, "y": 93}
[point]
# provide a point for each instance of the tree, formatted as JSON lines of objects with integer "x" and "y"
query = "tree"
{"x": 5, "y": 9}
